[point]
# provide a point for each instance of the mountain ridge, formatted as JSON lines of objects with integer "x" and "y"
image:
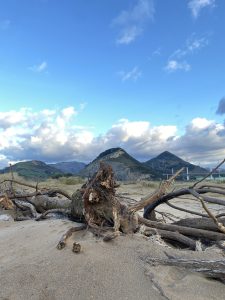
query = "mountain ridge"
{"x": 167, "y": 163}
{"x": 124, "y": 165}
{"x": 33, "y": 169}
{"x": 73, "y": 167}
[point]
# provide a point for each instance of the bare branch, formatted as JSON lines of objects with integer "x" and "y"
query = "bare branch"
{"x": 210, "y": 173}
{"x": 186, "y": 210}
{"x": 54, "y": 210}
{"x": 150, "y": 207}
{"x": 210, "y": 214}
{"x": 156, "y": 195}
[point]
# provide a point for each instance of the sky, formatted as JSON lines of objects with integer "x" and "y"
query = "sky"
{"x": 80, "y": 76}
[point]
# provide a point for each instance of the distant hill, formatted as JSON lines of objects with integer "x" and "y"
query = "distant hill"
{"x": 33, "y": 169}
{"x": 73, "y": 167}
{"x": 124, "y": 166}
{"x": 166, "y": 162}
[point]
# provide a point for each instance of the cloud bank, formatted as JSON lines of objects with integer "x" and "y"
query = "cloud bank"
{"x": 52, "y": 135}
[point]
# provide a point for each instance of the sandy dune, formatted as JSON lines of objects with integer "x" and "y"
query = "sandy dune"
{"x": 32, "y": 268}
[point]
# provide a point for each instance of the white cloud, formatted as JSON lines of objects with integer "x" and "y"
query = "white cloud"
{"x": 174, "y": 65}
{"x": 192, "y": 46}
{"x": 131, "y": 22}
{"x": 203, "y": 141}
{"x": 198, "y": 124}
{"x": 12, "y": 117}
{"x": 68, "y": 112}
{"x": 39, "y": 68}
{"x": 133, "y": 74}
{"x": 197, "y": 5}
{"x": 129, "y": 34}
{"x": 5, "y": 24}
{"x": 52, "y": 135}
{"x": 177, "y": 60}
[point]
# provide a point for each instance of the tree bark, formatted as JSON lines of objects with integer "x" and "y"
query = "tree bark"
{"x": 172, "y": 236}
{"x": 200, "y": 223}
{"x": 198, "y": 233}
{"x": 43, "y": 203}
{"x": 210, "y": 268}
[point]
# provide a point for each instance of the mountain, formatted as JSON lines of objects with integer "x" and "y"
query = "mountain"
{"x": 33, "y": 169}
{"x": 125, "y": 167}
{"x": 73, "y": 167}
{"x": 166, "y": 163}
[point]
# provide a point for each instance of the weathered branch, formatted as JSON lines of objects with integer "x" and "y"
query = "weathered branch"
{"x": 156, "y": 195}
{"x": 199, "y": 223}
{"x": 24, "y": 204}
{"x": 210, "y": 214}
{"x": 43, "y": 190}
{"x": 62, "y": 242}
{"x": 172, "y": 235}
{"x": 210, "y": 173}
{"x": 210, "y": 268}
{"x": 215, "y": 186}
{"x": 50, "y": 211}
{"x": 6, "y": 202}
{"x": 199, "y": 233}
{"x": 184, "y": 191}
{"x": 18, "y": 182}
{"x": 186, "y": 210}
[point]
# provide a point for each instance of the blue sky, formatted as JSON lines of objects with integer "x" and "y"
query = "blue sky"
{"x": 82, "y": 76}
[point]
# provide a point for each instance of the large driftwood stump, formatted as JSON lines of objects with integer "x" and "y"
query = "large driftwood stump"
{"x": 102, "y": 207}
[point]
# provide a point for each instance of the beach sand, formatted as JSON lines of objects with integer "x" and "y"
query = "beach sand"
{"x": 32, "y": 268}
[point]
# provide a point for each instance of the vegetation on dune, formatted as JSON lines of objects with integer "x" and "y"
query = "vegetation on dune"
{"x": 35, "y": 170}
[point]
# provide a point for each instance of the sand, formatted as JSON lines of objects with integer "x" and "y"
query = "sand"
{"x": 32, "y": 268}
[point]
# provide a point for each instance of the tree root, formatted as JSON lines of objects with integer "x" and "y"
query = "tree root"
{"x": 62, "y": 243}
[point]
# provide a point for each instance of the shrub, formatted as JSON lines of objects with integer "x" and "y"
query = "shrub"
{"x": 71, "y": 180}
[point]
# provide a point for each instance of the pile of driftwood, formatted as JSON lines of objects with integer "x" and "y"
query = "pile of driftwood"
{"x": 100, "y": 209}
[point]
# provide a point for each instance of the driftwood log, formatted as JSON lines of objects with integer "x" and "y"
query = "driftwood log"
{"x": 199, "y": 223}
{"x": 100, "y": 210}
{"x": 97, "y": 205}
{"x": 210, "y": 268}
